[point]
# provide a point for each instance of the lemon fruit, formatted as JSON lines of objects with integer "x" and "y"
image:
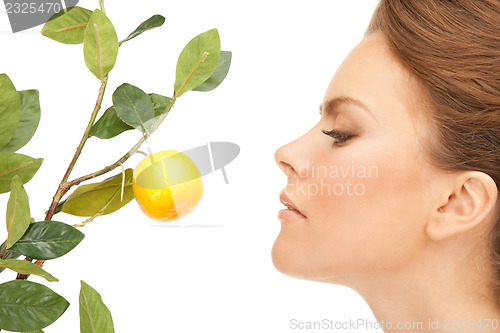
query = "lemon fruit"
{"x": 167, "y": 185}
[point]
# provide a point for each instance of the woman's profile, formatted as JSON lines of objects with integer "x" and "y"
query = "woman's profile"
{"x": 394, "y": 192}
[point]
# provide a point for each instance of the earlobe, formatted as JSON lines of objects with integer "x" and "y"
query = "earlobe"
{"x": 471, "y": 200}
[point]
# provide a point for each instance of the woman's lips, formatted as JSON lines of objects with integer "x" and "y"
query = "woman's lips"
{"x": 291, "y": 211}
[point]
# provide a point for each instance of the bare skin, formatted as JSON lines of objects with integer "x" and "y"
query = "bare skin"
{"x": 378, "y": 217}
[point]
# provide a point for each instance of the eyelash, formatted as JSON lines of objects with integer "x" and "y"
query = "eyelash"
{"x": 340, "y": 137}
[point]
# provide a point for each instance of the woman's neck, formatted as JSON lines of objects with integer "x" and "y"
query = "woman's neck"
{"x": 438, "y": 292}
{"x": 432, "y": 306}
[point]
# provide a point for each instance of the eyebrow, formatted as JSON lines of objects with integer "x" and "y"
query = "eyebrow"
{"x": 330, "y": 105}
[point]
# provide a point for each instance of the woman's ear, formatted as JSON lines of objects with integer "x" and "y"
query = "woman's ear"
{"x": 471, "y": 198}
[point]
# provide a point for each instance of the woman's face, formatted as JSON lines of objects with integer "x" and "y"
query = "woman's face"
{"x": 365, "y": 190}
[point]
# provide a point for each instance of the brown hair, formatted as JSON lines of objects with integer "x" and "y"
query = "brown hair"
{"x": 452, "y": 47}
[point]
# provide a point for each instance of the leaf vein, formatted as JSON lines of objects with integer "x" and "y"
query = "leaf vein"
{"x": 16, "y": 168}
{"x": 136, "y": 111}
{"x": 72, "y": 27}
{"x": 11, "y": 218}
{"x": 88, "y": 312}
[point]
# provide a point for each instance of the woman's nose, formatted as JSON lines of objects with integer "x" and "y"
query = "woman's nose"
{"x": 292, "y": 160}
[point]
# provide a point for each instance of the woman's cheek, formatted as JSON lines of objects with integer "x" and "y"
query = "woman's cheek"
{"x": 373, "y": 211}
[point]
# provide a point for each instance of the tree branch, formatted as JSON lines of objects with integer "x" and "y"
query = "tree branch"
{"x": 63, "y": 186}
{"x": 125, "y": 157}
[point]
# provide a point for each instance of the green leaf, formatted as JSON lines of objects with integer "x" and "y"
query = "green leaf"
{"x": 105, "y": 59}
{"x": 133, "y": 106}
{"x": 28, "y": 121}
{"x": 89, "y": 199}
{"x": 197, "y": 61}
{"x": 28, "y": 306}
{"x": 160, "y": 103}
{"x": 94, "y": 314}
{"x": 110, "y": 125}
{"x": 18, "y": 212}
{"x": 154, "y": 21}
{"x": 26, "y": 267}
{"x": 12, "y": 164}
{"x": 7, "y": 254}
{"x": 37, "y": 331}
{"x": 10, "y": 109}
{"x": 48, "y": 240}
{"x": 67, "y": 26}
{"x": 219, "y": 75}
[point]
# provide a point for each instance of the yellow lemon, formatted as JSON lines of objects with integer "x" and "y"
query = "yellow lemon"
{"x": 167, "y": 185}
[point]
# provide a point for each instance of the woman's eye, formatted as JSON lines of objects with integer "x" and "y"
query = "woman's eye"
{"x": 340, "y": 137}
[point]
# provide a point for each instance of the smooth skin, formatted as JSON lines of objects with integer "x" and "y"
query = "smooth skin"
{"x": 412, "y": 240}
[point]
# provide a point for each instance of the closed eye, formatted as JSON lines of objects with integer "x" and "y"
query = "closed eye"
{"x": 340, "y": 137}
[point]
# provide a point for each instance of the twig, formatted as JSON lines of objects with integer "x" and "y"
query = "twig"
{"x": 123, "y": 182}
{"x": 125, "y": 157}
{"x": 64, "y": 186}
{"x": 90, "y": 219}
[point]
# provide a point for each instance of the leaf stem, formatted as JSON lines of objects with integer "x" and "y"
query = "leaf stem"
{"x": 164, "y": 114}
{"x": 101, "y": 4}
{"x": 125, "y": 157}
{"x": 63, "y": 186}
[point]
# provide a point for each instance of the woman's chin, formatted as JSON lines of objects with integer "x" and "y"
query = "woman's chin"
{"x": 289, "y": 260}
{"x": 292, "y": 261}
{"x": 283, "y": 260}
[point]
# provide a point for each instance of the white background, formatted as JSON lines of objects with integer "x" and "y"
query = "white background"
{"x": 210, "y": 271}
